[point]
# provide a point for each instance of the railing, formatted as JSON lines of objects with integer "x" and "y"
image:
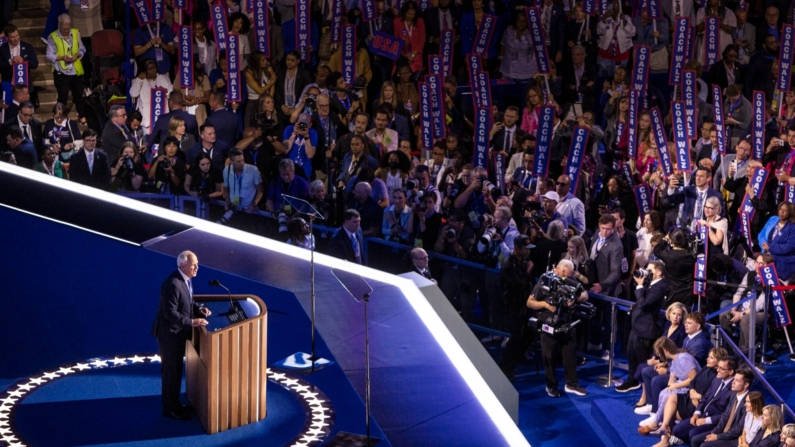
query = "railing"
{"x": 203, "y": 211}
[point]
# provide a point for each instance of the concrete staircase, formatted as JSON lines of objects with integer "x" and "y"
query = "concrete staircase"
{"x": 30, "y": 18}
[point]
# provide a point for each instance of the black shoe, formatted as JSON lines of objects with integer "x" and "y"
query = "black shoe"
{"x": 185, "y": 409}
{"x": 629, "y": 385}
{"x": 576, "y": 390}
{"x": 180, "y": 416}
{"x": 553, "y": 392}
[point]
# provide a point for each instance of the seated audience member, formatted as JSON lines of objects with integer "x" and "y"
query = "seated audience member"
{"x": 288, "y": 183}
{"x": 674, "y": 329}
{"x": 732, "y": 421}
{"x": 348, "y": 241}
{"x": 700, "y": 409}
{"x": 89, "y": 166}
{"x": 168, "y": 170}
{"x": 683, "y": 368}
{"x": 127, "y": 172}
{"x": 203, "y": 180}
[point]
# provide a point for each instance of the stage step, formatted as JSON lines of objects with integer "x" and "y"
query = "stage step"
{"x": 618, "y": 420}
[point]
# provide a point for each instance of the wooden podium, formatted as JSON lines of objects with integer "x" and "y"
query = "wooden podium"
{"x": 226, "y": 364}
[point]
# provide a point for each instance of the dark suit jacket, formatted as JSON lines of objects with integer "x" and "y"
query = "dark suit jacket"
{"x": 175, "y": 309}
{"x": 28, "y": 54}
{"x": 498, "y": 142}
{"x": 712, "y": 404}
{"x": 570, "y": 95}
{"x": 220, "y": 152}
{"x": 12, "y": 111}
{"x": 387, "y": 26}
{"x": 370, "y": 162}
{"x": 771, "y": 440}
{"x": 302, "y": 79}
{"x": 717, "y": 74}
{"x": 113, "y": 139}
{"x": 340, "y": 245}
{"x": 608, "y": 263}
{"x": 36, "y": 130}
{"x": 737, "y": 423}
{"x": 706, "y": 152}
{"x": 646, "y": 310}
{"x": 160, "y": 132}
{"x": 698, "y": 347}
{"x": 758, "y": 72}
{"x": 98, "y": 178}
{"x": 227, "y": 126}
{"x": 430, "y": 18}
{"x": 689, "y": 196}
{"x": 26, "y": 154}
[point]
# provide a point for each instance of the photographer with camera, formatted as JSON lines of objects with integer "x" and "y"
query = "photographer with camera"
{"x": 473, "y": 198}
{"x": 516, "y": 283}
{"x": 127, "y": 173}
{"x": 650, "y": 295}
{"x": 559, "y": 342}
{"x": 307, "y": 105}
{"x": 204, "y": 180}
{"x": 326, "y": 126}
{"x": 679, "y": 266}
{"x": 421, "y": 185}
{"x": 541, "y": 218}
{"x": 427, "y": 221}
{"x": 242, "y": 186}
{"x": 300, "y": 142}
{"x": 398, "y": 221}
{"x": 455, "y": 239}
{"x": 168, "y": 170}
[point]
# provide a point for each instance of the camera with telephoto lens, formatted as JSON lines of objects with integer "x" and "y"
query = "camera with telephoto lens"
{"x": 488, "y": 235}
{"x": 411, "y": 184}
{"x": 166, "y": 163}
{"x": 282, "y": 218}
{"x": 311, "y": 103}
{"x": 227, "y": 217}
{"x": 127, "y": 163}
{"x": 562, "y": 293}
{"x": 302, "y": 127}
{"x": 450, "y": 233}
{"x": 266, "y": 125}
{"x": 641, "y": 274}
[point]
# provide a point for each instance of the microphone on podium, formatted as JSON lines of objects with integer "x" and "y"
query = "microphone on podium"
{"x": 216, "y": 283}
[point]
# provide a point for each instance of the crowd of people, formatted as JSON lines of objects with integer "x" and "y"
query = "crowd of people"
{"x": 355, "y": 152}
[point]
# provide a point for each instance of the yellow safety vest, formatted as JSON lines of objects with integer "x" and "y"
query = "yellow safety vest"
{"x": 61, "y": 50}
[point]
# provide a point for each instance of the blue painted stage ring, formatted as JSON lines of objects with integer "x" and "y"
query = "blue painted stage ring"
{"x": 319, "y": 411}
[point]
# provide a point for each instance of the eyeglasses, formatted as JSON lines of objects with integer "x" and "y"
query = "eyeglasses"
{"x": 709, "y": 207}
{"x": 121, "y": 115}
{"x": 722, "y": 369}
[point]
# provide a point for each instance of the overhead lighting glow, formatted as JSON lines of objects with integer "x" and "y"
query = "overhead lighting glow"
{"x": 501, "y": 419}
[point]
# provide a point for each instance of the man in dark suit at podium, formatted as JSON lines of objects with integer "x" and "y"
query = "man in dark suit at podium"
{"x": 173, "y": 326}
{"x": 348, "y": 241}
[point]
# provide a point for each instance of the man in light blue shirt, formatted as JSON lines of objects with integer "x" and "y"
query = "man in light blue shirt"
{"x": 242, "y": 184}
{"x": 570, "y": 207}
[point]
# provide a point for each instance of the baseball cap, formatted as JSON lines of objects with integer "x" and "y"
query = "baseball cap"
{"x": 552, "y": 195}
{"x": 523, "y": 241}
{"x": 304, "y": 119}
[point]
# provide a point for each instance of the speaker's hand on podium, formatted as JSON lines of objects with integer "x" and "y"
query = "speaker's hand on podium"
{"x": 196, "y": 322}
{"x": 205, "y": 311}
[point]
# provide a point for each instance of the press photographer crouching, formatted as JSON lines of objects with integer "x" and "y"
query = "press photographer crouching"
{"x": 558, "y": 298}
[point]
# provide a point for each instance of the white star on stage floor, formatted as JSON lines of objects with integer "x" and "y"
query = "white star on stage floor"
{"x": 319, "y": 424}
{"x": 278, "y": 376}
{"x": 52, "y": 375}
{"x": 65, "y": 371}
{"x": 154, "y": 359}
{"x": 136, "y": 359}
{"x": 37, "y": 380}
{"x": 24, "y": 386}
{"x": 81, "y": 366}
{"x": 118, "y": 361}
{"x": 99, "y": 363}
{"x": 9, "y": 400}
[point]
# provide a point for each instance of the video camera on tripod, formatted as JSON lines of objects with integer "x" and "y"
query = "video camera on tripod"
{"x": 563, "y": 294}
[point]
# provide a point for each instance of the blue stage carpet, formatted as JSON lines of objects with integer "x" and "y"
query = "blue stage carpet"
{"x": 121, "y": 406}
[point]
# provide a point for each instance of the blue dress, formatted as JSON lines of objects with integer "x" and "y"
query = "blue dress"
{"x": 680, "y": 368}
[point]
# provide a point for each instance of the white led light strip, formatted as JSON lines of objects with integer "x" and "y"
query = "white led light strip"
{"x": 501, "y": 419}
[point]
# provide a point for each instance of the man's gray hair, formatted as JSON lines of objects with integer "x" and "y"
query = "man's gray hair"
{"x": 183, "y": 257}
{"x": 316, "y": 185}
{"x": 286, "y": 163}
{"x": 416, "y": 253}
{"x": 115, "y": 109}
{"x": 64, "y": 18}
{"x": 566, "y": 263}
